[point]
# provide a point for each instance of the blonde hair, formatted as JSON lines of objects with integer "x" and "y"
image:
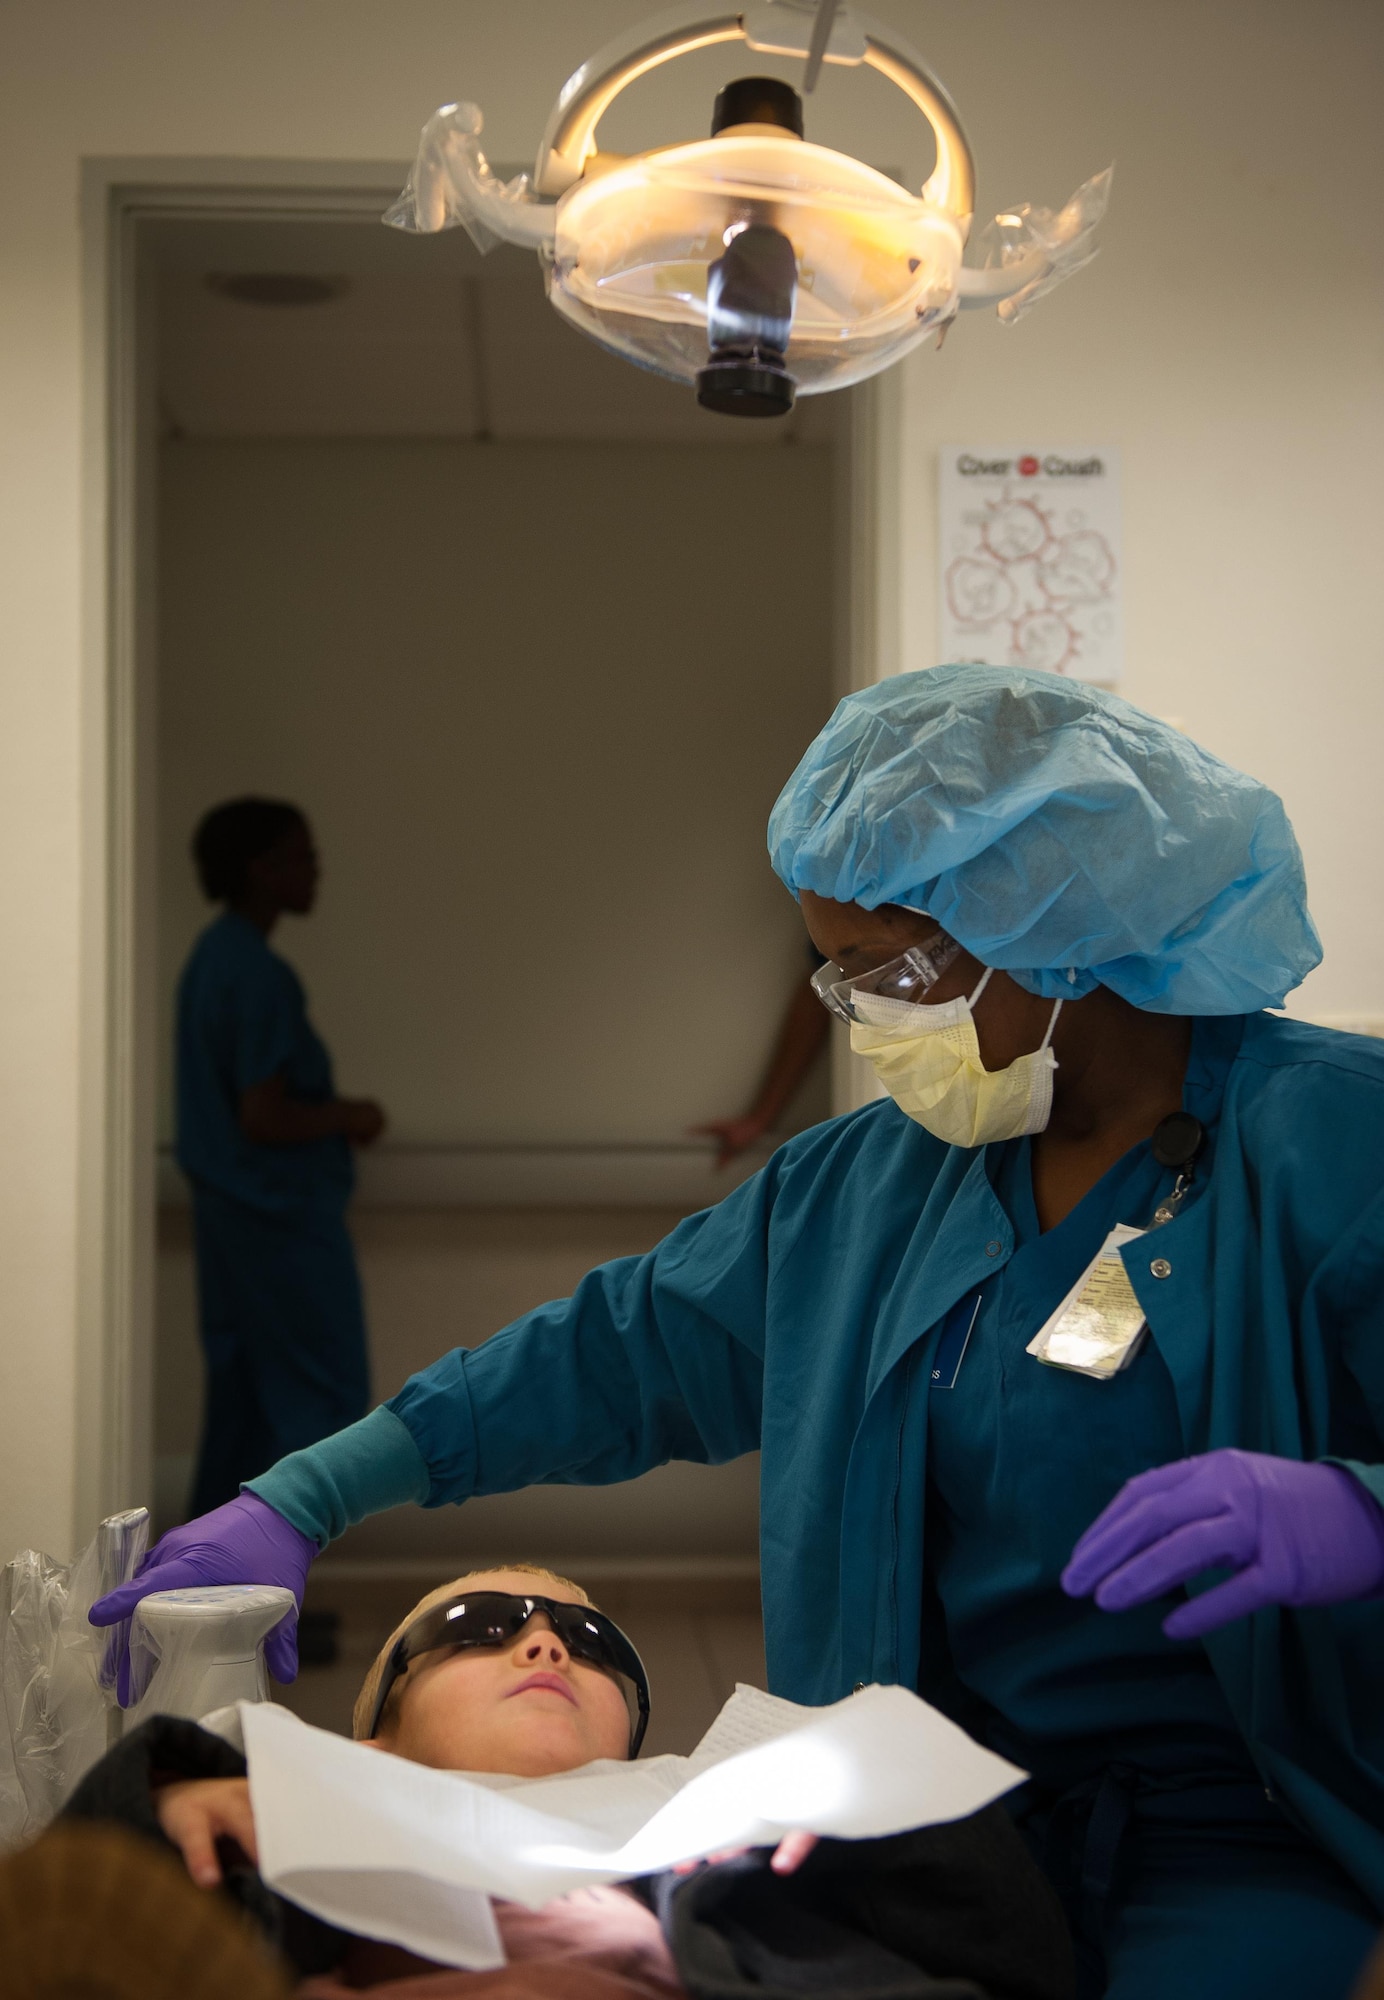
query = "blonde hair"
{"x": 370, "y": 1686}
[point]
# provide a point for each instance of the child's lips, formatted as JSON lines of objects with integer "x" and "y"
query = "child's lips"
{"x": 553, "y": 1682}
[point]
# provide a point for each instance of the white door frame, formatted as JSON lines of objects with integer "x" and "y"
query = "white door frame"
{"x": 118, "y": 1060}
{"x": 869, "y": 629}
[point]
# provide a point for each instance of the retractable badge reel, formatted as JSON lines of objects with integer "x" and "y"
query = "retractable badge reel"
{"x": 1100, "y": 1327}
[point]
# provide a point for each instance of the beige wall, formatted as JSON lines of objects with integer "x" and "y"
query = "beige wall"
{"x": 1224, "y": 341}
{"x": 377, "y": 630}
{"x": 538, "y": 765}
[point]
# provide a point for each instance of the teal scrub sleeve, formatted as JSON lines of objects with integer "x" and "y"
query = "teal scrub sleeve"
{"x": 269, "y": 1019}
{"x": 362, "y": 1470}
{"x": 1349, "y": 1303}
{"x": 1371, "y": 1477}
{"x": 652, "y": 1358}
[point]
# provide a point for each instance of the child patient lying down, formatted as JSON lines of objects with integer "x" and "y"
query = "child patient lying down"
{"x": 516, "y": 1671}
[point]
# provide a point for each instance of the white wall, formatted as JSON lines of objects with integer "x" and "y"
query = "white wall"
{"x": 1224, "y": 341}
{"x": 538, "y": 762}
{"x": 381, "y": 631}
{"x": 1227, "y": 341}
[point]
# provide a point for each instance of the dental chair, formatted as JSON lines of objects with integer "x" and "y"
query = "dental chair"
{"x": 191, "y": 1651}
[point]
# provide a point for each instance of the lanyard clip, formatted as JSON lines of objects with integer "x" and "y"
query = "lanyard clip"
{"x": 1176, "y": 1143}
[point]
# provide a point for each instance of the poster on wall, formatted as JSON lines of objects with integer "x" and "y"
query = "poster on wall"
{"x": 1029, "y": 545}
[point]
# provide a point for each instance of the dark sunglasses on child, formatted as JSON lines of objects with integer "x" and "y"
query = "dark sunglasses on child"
{"x": 493, "y": 1618}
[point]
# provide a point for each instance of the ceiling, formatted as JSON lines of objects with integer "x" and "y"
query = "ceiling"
{"x": 426, "y": 339}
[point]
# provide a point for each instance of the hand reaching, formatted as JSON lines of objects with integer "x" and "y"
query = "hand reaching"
{"x": 245, "y": 1541}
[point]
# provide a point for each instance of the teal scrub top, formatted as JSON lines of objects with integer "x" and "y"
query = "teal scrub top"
{"x": 802, "y": 1315}
{"x": 242, "y": 1019}
{"x": 1021, "y": 1459}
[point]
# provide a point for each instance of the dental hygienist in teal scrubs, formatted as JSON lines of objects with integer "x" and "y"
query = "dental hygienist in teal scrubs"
{"x": 1146, "y": 1564}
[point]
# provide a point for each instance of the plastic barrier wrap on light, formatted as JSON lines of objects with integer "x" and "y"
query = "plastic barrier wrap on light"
{"x": 1039, "y": 246}
{"x": 641, "y": 251}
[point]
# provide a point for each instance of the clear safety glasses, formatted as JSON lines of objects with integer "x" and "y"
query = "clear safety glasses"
{"x": 908, "y": 977}
{"x": 494, "y": 1618}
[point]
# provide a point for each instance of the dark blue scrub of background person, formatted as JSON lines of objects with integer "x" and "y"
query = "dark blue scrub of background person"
{"x": 266, "y": 1144}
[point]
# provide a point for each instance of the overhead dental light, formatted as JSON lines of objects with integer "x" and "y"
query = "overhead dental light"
{"x": 753, "y": 264}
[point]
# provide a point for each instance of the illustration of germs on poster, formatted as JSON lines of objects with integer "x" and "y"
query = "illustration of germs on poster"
{"x": 1029, "y": 545}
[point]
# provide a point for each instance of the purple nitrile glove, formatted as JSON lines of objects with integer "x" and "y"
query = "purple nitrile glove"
{"x": 1296, "y": 1534}
{"x": 245, "y": 1541}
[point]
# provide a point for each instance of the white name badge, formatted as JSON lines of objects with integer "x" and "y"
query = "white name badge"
{"x": 1100, "y": 1326}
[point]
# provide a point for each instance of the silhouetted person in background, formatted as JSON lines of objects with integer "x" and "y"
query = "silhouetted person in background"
{"x": 803, "y": 1033}
{"x": 266, "y": 1143}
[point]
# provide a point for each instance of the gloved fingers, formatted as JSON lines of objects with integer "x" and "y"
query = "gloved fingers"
{"x": 1125, "y": 1529}
{"x": 176, "y": 1574}
{"x": 1159, "y": 1479}
{"x": 281, "y": 1648}
{"x": 120, "y": 1602}
{"x": 1153, "y": 1487}
{"x": 1213, "y": 1608}
{"x": 1175, "y": 1559}
{"x": 154, "y": 1554}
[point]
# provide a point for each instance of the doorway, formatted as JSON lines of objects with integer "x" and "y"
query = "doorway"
{"x": 512, "y": 620}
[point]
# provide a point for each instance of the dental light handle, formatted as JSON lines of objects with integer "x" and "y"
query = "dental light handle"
{"x": 750, "y": 294}
{"x": 450, "y": 162}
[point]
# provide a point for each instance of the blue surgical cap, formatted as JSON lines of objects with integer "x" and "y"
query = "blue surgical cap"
{"x": 1056, "y": 832}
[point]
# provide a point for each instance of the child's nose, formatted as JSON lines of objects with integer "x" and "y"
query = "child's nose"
{"x": 539, "y": 1644}
{"x": 544, "y": 1645}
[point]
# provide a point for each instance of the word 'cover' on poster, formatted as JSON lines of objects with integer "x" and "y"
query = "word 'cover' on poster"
{"x": 1030, "y": 560}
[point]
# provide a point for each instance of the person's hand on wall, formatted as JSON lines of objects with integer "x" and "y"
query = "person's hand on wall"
{"x": 734, "y": 1136}
{"x": 801, "y": 1038}
{"x": 196, "y": 1813}
{"x": 365, "y": 1120}
{"x": 270, "y": 1117}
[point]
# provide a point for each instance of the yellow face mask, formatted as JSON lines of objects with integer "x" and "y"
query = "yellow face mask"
{"x": 928, "y": 1059}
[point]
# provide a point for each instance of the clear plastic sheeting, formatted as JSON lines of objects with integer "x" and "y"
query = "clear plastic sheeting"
{"x": 202, "y": 1648}
{"x": 452, "y": 186}
{"x": 876, "y": 267}
{"x": 633, "y": 246}
{"x": 57, "y": 1672}
{"x": 790, "y": 28}
{"x": 1026, "y": 252}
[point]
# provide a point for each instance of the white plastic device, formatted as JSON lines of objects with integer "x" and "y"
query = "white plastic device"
{"x": 195, "y": 1650}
